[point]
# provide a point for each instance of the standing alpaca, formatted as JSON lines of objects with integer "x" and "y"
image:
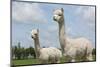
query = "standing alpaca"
{"x": 45, "y": 54}
{"x": 79, "y": 47}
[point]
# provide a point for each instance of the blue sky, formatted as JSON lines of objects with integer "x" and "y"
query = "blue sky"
{"x": 79, "y": 22}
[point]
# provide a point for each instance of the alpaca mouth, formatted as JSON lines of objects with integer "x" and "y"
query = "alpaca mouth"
{"x": 54, "y": 19}
{"x": 32, "y": 37}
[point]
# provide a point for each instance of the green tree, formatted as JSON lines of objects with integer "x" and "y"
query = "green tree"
{"x": 26, "y": 53}
{"x": 23, "y": 53}
{"x": 32, "y": 51}
{"x": 94, "y": 51}
{"x": 14, "y": 51}
{"x": 18, "y": 52}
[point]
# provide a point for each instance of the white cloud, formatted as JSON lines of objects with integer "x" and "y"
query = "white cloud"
{"x": 86, "y": 15}
{"x": 27, "y": 12}
{"x": 52, "y": 28}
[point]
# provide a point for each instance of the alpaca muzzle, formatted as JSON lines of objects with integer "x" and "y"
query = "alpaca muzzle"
{"x": 32, "y": 37}
{"x": 54, "y": 18}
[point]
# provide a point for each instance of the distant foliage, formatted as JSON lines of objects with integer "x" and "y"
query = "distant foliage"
{"x": 94, "y": 51}
{"x": 19, "y": 52}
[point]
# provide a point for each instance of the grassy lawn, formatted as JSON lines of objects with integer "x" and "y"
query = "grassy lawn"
{"x": 30, "y": 61}
{"x": 35, "y": 61}
{"x": 25, "y": 62}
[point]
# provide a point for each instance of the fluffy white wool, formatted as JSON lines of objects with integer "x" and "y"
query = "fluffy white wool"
{"x": 51, "y": 53}
{"x": 72, "y": 47}
{"x": 46, "y": 55}
{"x": 79, "y": 46}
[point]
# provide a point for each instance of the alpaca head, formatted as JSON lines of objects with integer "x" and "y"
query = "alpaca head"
{"x": 58, "y": 15}
{"x": 34, "y": 33}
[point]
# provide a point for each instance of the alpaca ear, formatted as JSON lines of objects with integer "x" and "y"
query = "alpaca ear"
{"x": 62, "y": 9}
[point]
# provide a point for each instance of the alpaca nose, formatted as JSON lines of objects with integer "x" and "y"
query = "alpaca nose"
{"x": 32, "y": 36}
{"x": 54, "y": 18}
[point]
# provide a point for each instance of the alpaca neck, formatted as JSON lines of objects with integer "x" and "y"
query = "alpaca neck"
{"x": 37, "y": 46}
{"x": 62, "y": 35}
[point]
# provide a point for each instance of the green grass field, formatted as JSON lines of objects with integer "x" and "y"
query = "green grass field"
{"x": 35, "y": 61}
{"x": 25, "y": 62}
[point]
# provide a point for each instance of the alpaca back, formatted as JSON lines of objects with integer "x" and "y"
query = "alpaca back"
{"x": 47, "y": 53}
{"x": 57, "y": 52}
{"x": 81, "y": 43}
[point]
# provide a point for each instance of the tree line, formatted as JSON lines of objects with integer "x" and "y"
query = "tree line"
{"x": 19, "y": 52}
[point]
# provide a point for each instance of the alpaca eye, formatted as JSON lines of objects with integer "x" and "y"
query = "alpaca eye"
{"x": 35, "y": 34}
{"x": 59, "y": 14}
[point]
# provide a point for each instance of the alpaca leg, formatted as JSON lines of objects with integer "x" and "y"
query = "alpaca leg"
{"x": 52, "y": 61}
{"x": 68, "y": 59}
{"x": 55, "y": 60}
{"x": 58, "y": 60}
{"x": 89, "y": 57}
{"x": 44, "y": 61}
{"x": 73, "y": 60}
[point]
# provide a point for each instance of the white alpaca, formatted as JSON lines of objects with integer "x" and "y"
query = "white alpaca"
{"x": 80, "y": 47}
{"x": 45, "y": 55}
